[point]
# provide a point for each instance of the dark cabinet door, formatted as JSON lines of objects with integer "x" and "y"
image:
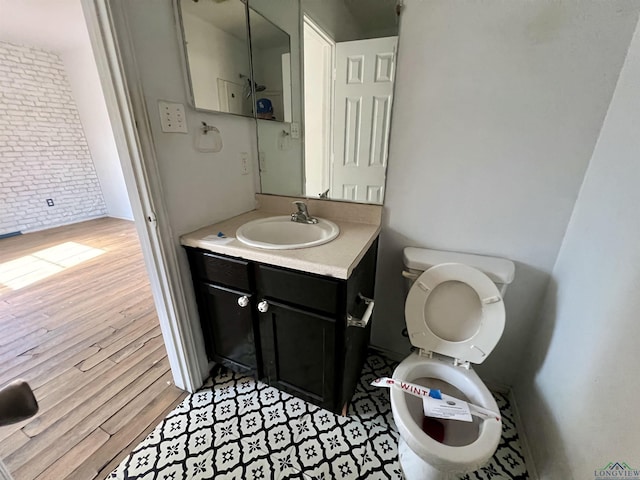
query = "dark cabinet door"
{"x": 298, "y": 352}
{"x": 228, "y": 326}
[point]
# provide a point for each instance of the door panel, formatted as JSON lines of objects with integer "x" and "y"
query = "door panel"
{"x": 229, "y": 328}
{"x": 299, "y": 352}
{"x": 365, "y": 72}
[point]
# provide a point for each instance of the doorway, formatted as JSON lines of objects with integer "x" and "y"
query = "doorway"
{"x": 78, "y": 316}
{"x": 78, "y": 322}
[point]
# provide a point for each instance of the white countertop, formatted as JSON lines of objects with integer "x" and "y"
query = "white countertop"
{"x": 336, "y": 259}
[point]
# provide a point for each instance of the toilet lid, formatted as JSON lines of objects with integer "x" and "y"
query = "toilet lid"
{"x": 455, "y": 310}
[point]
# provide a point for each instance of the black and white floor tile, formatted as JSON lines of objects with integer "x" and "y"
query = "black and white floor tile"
{"x": 236, "y": 428}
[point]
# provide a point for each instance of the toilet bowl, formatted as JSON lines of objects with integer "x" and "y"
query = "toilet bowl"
{"x": 466, "y": 446}
{"x": 455, "y": 316}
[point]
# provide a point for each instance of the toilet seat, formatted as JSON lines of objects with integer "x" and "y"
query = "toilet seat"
{"x": 455, "y": 310}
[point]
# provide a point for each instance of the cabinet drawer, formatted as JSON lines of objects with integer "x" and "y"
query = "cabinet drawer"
{"x": 209, "y": 267}
{"x": 303, "y": 289}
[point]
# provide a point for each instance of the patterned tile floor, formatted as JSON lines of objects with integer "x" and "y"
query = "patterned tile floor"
{"x": 237, "y": 428}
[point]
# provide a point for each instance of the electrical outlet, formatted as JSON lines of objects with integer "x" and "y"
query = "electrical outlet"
{"x": 50, "y": 202}
{"x": 172, "y": 117}
{"x": 244, "y": 161}
{"x": 262, "y": 161}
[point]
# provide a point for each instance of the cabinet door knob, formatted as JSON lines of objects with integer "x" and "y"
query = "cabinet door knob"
{"x": 263, "y": 306}
{"x": 243, "y": 301}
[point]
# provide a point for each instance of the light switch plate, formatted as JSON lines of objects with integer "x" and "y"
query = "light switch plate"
{"x": 172, "y": 117}
{"x": 295, "y": 130}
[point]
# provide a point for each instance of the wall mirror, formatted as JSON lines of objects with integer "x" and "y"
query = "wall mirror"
{"x": 349, "y": 68}
{"x": 277, "y": 64}
{"x": 216, "y": 50}
{"x": 348, "y": 54}
{"x": 321, "y": 88}
{"x": 271, "y": 62}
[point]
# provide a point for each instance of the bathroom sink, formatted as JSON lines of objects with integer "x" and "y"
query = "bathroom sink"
{"x": 280, "y": 233}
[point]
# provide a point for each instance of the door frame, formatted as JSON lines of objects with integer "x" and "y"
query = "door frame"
{"x": 327, "y": 167}
{"x": 124, "y": 97}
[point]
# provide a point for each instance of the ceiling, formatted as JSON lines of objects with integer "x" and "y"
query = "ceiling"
{"x": 229, "y": 16}
{"x": 59, "y": 25}
{"x": 225, "y": 15}
{"x": 54, "y": 25}
{"x": 374, "y": 16}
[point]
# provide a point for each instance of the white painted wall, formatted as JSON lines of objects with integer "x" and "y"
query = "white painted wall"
{"x": 60, "y": 27}
{"x": 267, "y": 70}
{"x": 268, "y": 66}
{"x": 198, "y": 188}
{"x": 87, "y": 92}
{"x": 581, "y": 383}
{"x": 213, "y": 54}
{"x": 498, "y": 107}
{"x": 283, "y": 166}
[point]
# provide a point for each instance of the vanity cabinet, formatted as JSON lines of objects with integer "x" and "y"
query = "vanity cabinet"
{"x": 286, "y": 327}
{"x": 299, "y": 352}
{"x": 226, "y": 303}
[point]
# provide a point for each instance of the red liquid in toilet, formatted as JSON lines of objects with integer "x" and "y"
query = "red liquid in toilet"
{"x": 433, "y": 428}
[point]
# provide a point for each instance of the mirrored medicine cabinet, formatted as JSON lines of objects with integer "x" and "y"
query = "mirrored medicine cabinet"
{"x": 316, "y": 75}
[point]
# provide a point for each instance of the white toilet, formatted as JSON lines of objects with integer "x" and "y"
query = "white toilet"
{"x": 455, "y": 316}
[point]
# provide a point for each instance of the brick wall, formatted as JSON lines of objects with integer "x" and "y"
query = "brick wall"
{"x": 43, "y": 151}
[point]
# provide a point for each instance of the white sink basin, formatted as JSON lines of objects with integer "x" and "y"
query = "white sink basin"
{"x": 280, "y": 233}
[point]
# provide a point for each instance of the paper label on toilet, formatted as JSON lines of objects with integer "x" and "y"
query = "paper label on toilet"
{"x": 425, "y": 393}
{"x": 447, "y": 408}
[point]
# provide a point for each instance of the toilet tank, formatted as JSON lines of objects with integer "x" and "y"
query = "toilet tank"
{"x": 417, "y": 260}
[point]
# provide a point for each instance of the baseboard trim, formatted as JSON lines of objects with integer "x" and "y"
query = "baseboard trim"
{"x": 497, "y": 387}
{"x": 121, "y": 218}
{"x": 64, "y": 224}
{"x": 395, "y": 356}
{"x": 524, "y": 443}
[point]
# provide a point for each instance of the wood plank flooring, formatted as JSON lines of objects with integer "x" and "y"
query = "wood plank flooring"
{"x": 77, "y": 321}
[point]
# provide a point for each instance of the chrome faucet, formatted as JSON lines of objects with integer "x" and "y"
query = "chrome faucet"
{"x": 302, "y": 215}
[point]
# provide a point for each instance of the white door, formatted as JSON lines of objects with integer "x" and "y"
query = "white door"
{"x": 231, "y": 98}
{"x": 363, "y": 94}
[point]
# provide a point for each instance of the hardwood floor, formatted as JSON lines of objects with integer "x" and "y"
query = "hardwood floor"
{"x": 77, "y": 321}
